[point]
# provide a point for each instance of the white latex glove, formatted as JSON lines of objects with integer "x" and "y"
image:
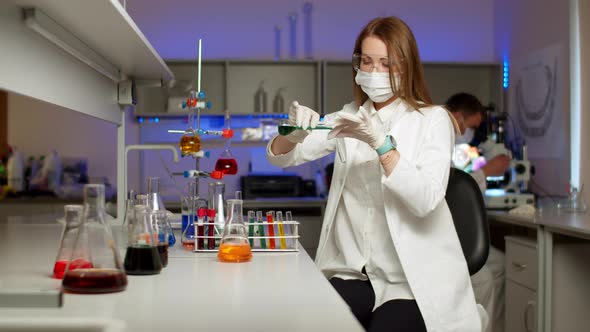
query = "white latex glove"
{"x": 359, "y": 126}
{"x": 301, "y": 116}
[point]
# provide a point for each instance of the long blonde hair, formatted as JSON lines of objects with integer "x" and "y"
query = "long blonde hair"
{"x": 401, "y": 45}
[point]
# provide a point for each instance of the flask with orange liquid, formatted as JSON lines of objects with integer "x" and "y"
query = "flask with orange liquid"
{"x": 235, "y": 247}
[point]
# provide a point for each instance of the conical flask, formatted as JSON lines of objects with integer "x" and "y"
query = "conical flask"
{"x": 156, "y": 204}
{"x": 96, "y": 245}
{"x": 73, "y": 218}
{"x": 162, "y": 230}
{"x": 142, "y": 256}
{"x": 234, "y": 247}
{"x": 154, "y": 199}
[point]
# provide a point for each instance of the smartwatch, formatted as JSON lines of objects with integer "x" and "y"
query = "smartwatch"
{"x": 388, "y": 145}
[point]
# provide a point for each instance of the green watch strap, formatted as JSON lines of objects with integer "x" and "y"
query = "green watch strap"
{"x": 386, "y": 146}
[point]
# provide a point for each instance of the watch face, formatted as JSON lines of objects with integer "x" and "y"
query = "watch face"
{"x": 393, "y": 142}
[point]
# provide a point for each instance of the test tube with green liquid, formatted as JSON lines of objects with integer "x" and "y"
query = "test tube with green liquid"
{"x": 286, "y": 129}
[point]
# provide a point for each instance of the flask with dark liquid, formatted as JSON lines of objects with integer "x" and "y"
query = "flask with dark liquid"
{"x": 142, "y": 257}
{"x": 95, "y": 244}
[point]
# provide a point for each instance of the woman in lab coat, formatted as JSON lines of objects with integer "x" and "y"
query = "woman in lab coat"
{"x": 388, "y": 243}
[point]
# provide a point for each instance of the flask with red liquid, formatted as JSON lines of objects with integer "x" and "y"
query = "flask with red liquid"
{"x": 95, "y": 244}
{"x": 73, "y": 219}
{"x": 226, "y": 162}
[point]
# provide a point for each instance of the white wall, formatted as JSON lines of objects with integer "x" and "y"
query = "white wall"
{"x": 36, "y": 127}
{"x": 521, "y": 28}
{"x": 584, "y": 29}
{"x": 451, "y": 30}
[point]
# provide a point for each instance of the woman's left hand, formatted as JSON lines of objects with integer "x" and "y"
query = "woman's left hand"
{"x": 359, "y": 126}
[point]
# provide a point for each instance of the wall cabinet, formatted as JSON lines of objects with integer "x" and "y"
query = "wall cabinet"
{"x": 322, "y": 85}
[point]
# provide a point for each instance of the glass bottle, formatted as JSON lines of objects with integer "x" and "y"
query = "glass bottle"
{"x": 96, "y": 245}
{"x": 227, "y": 163}
{"x": 142, "y": 256}
{"x": 234, "y": 247}
{"x": 73, "y": 218}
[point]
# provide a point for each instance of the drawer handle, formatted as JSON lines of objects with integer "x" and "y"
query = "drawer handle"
{"x": 529, "y": 305}
{"x": 519, "y": 266}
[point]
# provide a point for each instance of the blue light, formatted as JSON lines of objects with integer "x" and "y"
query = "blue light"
{"x": 140, "y": 120}
{"x": 506, "y": 75}
{"x": 156, "y": 120}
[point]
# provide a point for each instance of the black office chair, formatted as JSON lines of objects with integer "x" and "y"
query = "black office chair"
{"x": 469, "y": 215}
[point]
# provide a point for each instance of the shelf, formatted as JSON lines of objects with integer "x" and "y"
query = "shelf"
{"x": 107, "y": 29}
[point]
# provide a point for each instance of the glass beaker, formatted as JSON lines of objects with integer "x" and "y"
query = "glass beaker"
{"x": 234, "y": 247}
{"x": 142, "y": 256}
{"x": 96, "y": 245}
{"x": 216, "y": 205}
{"x": 160, "y": 224}
{"x": 73, "y": 219}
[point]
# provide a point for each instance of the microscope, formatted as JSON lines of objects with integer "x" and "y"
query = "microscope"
{"x": 511, "y": 189}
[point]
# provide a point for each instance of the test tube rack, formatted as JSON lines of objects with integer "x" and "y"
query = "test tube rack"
{"x": 282, "y": 243}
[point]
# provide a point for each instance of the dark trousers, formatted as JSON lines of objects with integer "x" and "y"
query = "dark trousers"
{"x": 394, "y": 315}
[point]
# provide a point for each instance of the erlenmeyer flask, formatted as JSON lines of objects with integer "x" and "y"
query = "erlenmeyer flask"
{"x": 142, "y": 256}
{"x": 156, "y": 204}
{"x": 73, "y": 218}
{"x": 154, "y": 199}
{"x": 216, "y": 205}
{"x": 96, "y": 245}
{"x": 234, "y": 247}
{"x": 162, "y": 230}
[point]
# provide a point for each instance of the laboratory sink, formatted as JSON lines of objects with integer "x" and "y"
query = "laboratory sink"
{"x": 54, "y": 324}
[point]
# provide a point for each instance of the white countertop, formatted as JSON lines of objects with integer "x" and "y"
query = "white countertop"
{"x": 276, "y": 291}
{"x": 558, "y": 221}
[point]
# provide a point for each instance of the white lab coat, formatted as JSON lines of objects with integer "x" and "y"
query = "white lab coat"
{"x": 419, "y": 220}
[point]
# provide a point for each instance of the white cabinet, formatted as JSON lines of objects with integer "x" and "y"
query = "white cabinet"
{"x": 520, "y": 308}
{"x": 521, "y": 285}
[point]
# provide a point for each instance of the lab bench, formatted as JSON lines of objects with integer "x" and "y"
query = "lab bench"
{"x": 275, "y": 291}
{"x": 547, "y": 270}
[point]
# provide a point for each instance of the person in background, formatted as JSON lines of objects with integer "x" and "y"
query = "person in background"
{"x": 488, "y": 283}
{"x": 469, "y": 113}
{"x": 388, "y": 244}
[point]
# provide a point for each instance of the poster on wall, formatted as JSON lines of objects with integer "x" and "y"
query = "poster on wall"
{"x": 536, "y": 96}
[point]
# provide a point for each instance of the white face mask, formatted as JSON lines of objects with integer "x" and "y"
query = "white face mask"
{"x": 376, "y": 85}
{"x": 467, "y": 137}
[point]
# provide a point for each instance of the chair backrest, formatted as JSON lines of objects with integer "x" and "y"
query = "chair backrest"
{"x": 465, "y": 201}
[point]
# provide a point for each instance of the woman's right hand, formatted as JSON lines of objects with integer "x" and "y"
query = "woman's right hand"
{"x": 304, "y": 117}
